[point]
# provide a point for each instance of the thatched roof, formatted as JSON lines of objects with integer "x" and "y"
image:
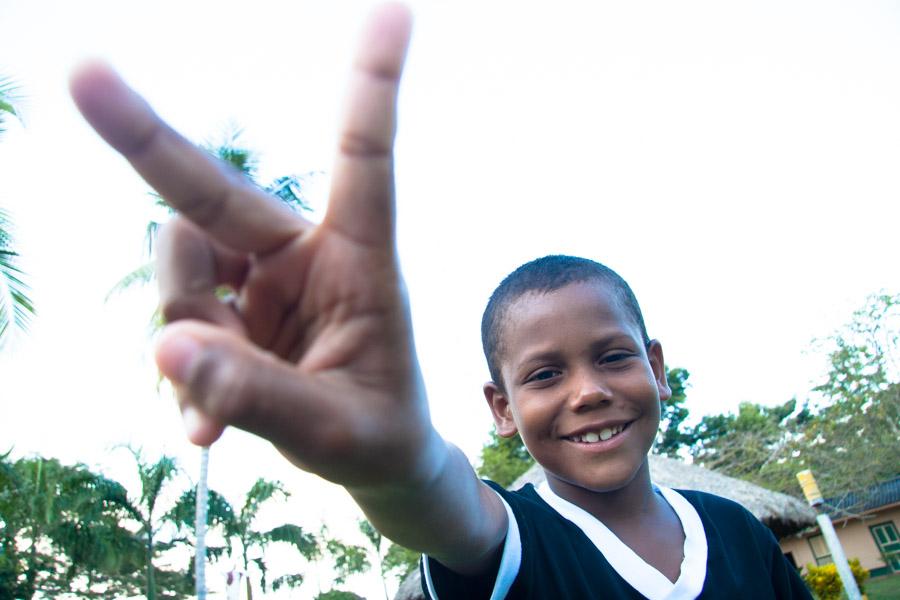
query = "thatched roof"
{"x": 783, "y": 514}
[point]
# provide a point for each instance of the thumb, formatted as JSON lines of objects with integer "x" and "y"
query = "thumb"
{"x": 223, "y": 379}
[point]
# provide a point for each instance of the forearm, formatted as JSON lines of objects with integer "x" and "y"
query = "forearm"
{"x": 447, "y": 512}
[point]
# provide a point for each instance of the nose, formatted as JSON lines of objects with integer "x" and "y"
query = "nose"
{"x": 589, "y": 390}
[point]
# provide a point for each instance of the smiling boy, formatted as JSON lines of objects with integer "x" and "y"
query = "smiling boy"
{"x": 576, "y": 375}
{"x": 315, "y": 353}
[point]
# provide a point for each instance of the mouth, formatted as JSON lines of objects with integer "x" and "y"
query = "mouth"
{"x": 599, "y": 435}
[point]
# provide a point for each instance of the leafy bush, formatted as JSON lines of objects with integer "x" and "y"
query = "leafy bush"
{"x": 825, "y": 582}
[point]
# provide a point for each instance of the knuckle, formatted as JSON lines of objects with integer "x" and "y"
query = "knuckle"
{"x": 178, "y": 308}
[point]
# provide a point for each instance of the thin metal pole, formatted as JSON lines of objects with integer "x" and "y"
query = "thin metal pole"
{"x": 837, "y": 555}
{"x": 200, "y": 526}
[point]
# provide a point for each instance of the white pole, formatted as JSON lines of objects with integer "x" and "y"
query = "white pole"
{"x": 200, "y": 526}
{"x": 837, "y": 555}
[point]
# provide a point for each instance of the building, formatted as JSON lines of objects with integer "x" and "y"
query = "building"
{"x": 866, "y": 522}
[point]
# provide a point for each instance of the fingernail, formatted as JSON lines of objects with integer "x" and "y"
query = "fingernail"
{"x": 176, "y": 356}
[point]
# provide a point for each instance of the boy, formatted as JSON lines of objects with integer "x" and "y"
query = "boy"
{"x": 576, "y": 375}
{"x": 315, "y": 352}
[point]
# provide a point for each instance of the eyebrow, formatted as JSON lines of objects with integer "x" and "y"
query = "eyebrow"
{"x": 541, "y": 356}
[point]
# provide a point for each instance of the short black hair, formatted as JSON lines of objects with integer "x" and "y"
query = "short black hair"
{"x": 543, "y": 275}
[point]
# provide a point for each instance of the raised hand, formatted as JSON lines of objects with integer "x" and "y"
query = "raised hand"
{"x": 315, "y": 352}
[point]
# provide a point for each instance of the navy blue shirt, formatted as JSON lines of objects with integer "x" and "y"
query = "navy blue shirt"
{"x": 559, "y": 561}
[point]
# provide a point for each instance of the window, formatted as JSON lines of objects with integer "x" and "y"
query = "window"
{"x": 888, "y": 541}
{"x": 820, "y": 550}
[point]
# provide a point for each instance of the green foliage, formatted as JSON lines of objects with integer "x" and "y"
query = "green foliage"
{"x": 825, "y": 582}
{"x": 748, "y": 444}
{"x": 503, "y": 460}
{"x": 154, "y": 477}
{"x": 8, "y": 98}
{"x": 864, "y": 355}
{"x": 348, "y": 559}
{"x": 250, "y": 543}
{"x": 672, "y": 435}
{"x": 400, "y": 561}
{"x": 16, "y": 307}
{"x": 338, "y": 595}
{"x": 60, "y": 530}
{"x": 854, "y": 416}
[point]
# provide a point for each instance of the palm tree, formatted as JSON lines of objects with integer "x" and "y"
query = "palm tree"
{"x": 250, "y": 543}
{"x": 16, "y": 308}
{"x": 145, "y": 510}
{"x": 60, "y": 530}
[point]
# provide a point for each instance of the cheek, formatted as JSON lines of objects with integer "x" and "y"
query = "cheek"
{"x": 532, "y": 415}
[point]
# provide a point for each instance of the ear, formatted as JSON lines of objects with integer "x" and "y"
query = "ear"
{"x": 498, "y": 402}
{"x": 658, "y": 365}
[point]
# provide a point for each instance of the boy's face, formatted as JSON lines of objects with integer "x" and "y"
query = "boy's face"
{"x": 579, "y": 386}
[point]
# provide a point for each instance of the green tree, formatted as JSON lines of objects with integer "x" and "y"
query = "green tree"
{"x": 852, "y": 418}
{"x": 16, "y": 307}
{"x": 156, "y": 527}
{"x": 673, "y": 436}
{"x": 755, "y": 443}
{"x": 400, "y": 561}
{"x": 61, "y": 531}
{"x": 393, "y": 560}
{"x": 857, "y": 418}
{"x": 503, "y": 460}
{"x": 250, "y": 543}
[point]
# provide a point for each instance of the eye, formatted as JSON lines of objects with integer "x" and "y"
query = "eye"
{"x": 543, "y": 375}
{"x": 613, "y": 358}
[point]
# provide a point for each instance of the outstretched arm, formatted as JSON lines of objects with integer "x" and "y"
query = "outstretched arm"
{"x": 316, "y": 351}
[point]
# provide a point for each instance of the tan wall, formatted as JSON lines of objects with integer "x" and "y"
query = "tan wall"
{"x": 855, "y": 537}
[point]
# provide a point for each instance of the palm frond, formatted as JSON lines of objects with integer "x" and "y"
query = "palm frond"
{"x": 261, "y": 491}
{"x": 8, "y": 97}
{"x": 289, "y": 581}
{"x": 305, "y": 543}
{"x": 16, "y": 307}
{"x": 289, "y": 189}
{"x": 140, "y": 276}
{"x": 231, "y": 151}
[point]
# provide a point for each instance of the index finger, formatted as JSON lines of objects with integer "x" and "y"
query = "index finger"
{"x": 217, "y": 198}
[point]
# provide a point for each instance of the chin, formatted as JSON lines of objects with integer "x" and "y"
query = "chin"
{"x": 612, "y": 478}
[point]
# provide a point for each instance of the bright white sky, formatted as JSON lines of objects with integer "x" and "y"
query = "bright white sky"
{"x": 736, "y": 162}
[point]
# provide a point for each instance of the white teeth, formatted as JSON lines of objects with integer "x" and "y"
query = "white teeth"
{"x": 603, "y": 435}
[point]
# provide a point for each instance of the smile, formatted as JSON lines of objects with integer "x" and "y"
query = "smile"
{"x": 602, "y": 435}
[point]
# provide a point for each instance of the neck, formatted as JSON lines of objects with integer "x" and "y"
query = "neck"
{"x": 634, "y": 499}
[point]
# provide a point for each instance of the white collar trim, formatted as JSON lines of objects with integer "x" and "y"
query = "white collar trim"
{"x": 631, "y": 567}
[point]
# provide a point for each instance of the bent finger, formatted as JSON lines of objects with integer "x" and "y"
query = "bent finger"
{"x": 216, "y": 197}
{"x": 191, "y": 267}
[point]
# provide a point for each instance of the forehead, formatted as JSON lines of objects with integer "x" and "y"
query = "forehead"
{"x": 540, "y": 318}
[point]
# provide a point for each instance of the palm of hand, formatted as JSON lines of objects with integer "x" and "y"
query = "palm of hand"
{"x": 315, "y": 353}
